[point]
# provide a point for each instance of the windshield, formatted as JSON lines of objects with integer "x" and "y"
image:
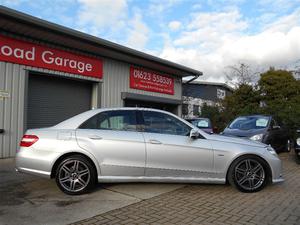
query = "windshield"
{"x": 250, "y": 122}
{"x": 201, "y": 123}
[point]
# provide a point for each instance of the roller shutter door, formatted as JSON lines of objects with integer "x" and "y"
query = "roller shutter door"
{"x": 52, "y": 99}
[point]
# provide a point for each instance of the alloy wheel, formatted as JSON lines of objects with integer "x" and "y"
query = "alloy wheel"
{"x": 249, "y": 174}
{"x": 74, "y": 175}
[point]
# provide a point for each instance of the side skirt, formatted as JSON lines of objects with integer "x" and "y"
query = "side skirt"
{"x": 113, "y": 179}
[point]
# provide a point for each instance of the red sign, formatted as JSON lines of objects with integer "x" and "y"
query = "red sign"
{"x": 151, "y": 81}
{"x": 30, "y": 54}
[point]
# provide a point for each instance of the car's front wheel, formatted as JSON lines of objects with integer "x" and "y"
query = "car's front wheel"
{"x": 75, "y": 175}
{"x": 248, "y": 174}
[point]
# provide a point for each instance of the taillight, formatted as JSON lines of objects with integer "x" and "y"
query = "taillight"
{"x": 28, "y": 140}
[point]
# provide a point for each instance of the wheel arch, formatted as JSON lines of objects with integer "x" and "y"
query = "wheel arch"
{"x": 268, "y": 168}
{"x": 64, "y": 156}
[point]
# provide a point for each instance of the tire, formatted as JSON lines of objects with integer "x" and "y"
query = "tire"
{"x": 75, "y": 175}
{"x": 248, "y": 174}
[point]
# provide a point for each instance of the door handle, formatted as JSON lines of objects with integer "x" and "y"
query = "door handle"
{"x": 152, "y": 141}
{"x": 95, "y": 137}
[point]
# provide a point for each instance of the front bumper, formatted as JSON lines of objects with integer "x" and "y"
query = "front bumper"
{"x": 276, "y": 168}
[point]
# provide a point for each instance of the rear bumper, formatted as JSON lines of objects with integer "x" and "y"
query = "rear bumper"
{"x": 36, "y": 162}
{"x": 40, "y": 173}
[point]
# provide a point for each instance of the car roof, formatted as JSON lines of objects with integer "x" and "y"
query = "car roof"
{"x": 199, "y": 118}
{"x": 75, "y": 121}
{"x": 255, "y": 115}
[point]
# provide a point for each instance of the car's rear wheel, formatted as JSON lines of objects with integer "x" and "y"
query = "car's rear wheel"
{"x": 248, "y": 174}
{"x": 75, "y": 175}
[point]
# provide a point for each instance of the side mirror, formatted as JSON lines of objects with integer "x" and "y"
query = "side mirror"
{"x": 276, "y": 127}
{"x": 298, "y": 131}
{"x": 194, "y": 134}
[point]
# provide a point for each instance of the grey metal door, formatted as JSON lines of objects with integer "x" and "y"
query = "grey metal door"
{"x": 52, "y": 99}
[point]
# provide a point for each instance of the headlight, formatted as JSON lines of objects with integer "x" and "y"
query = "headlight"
{"x": 257, "y": 137}
{"x": 298, "y": 141}
{"x": 271, "y": 150}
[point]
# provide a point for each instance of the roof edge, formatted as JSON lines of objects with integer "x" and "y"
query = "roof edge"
{"x": 96, "y": 40}
{"x": 211, "y": 83}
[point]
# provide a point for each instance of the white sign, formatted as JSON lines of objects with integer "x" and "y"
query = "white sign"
{"x": 221, "y": 93}
{"x": 4, "y": 94}
{"x": 261, "y": 122}
{"x": 203, "y": 123}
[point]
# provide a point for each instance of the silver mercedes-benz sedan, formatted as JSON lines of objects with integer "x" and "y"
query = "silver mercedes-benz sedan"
{"x": 142, "y": 145}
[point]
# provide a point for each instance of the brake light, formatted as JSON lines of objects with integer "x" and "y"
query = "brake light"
{"x": 28, "y": 140}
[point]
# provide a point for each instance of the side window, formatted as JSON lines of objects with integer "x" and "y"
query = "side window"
{"x": 156, "y": 122}
{"x": 273, "y": 123}
{"x": 123, "y": 120}
{"x": 185, "y": 109}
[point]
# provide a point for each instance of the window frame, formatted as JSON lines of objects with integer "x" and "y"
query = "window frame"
{"x": 138, "y": 125}
{"x": 141, "y": 112}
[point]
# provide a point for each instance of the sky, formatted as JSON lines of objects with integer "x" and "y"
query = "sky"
{"x": 207, "y": 35}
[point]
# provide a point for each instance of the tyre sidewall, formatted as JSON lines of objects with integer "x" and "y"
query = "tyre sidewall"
{"x": 231, "y": 173}
{"x": 92, "y": 180}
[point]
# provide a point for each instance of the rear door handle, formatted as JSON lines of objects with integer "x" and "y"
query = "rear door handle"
{"x": 156, "y": 142}
{"x": 95, "y": 137}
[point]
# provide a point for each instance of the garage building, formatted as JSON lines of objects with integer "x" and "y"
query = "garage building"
{"x": 49, "y": 73}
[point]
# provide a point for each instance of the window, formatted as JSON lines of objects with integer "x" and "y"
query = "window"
{"x": 185, "y": 109}
{"x": 156, "y": 122}
{"x": 124, "y": 120}
{"x": 201, "y": 123}
{"x": 250, "y": 122}
{"x": 196, "y": 110}
{"x": 273, "y": 123}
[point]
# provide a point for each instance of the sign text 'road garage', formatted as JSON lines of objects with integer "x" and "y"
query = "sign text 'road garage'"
{"x": 26, "y": 53}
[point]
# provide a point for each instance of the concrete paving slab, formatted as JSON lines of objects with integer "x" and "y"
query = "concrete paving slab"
{"x": 30, "y": 200}
{"x": 143, "y": 190}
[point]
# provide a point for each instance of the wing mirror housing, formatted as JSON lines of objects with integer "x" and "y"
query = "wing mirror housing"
{"x": 194, "y": 134}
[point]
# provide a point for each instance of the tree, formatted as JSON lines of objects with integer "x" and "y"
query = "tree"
{"x": 240, "y": 74}
{"x": 280, "y": 93}
{"x": 214, "y": 113}
{"x": 245, "y": 100}
{"x": 277, "y": 93}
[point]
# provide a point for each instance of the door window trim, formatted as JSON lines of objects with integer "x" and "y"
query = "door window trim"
{"x": 138, "y": 126}
{"x": 141, "y": 116}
